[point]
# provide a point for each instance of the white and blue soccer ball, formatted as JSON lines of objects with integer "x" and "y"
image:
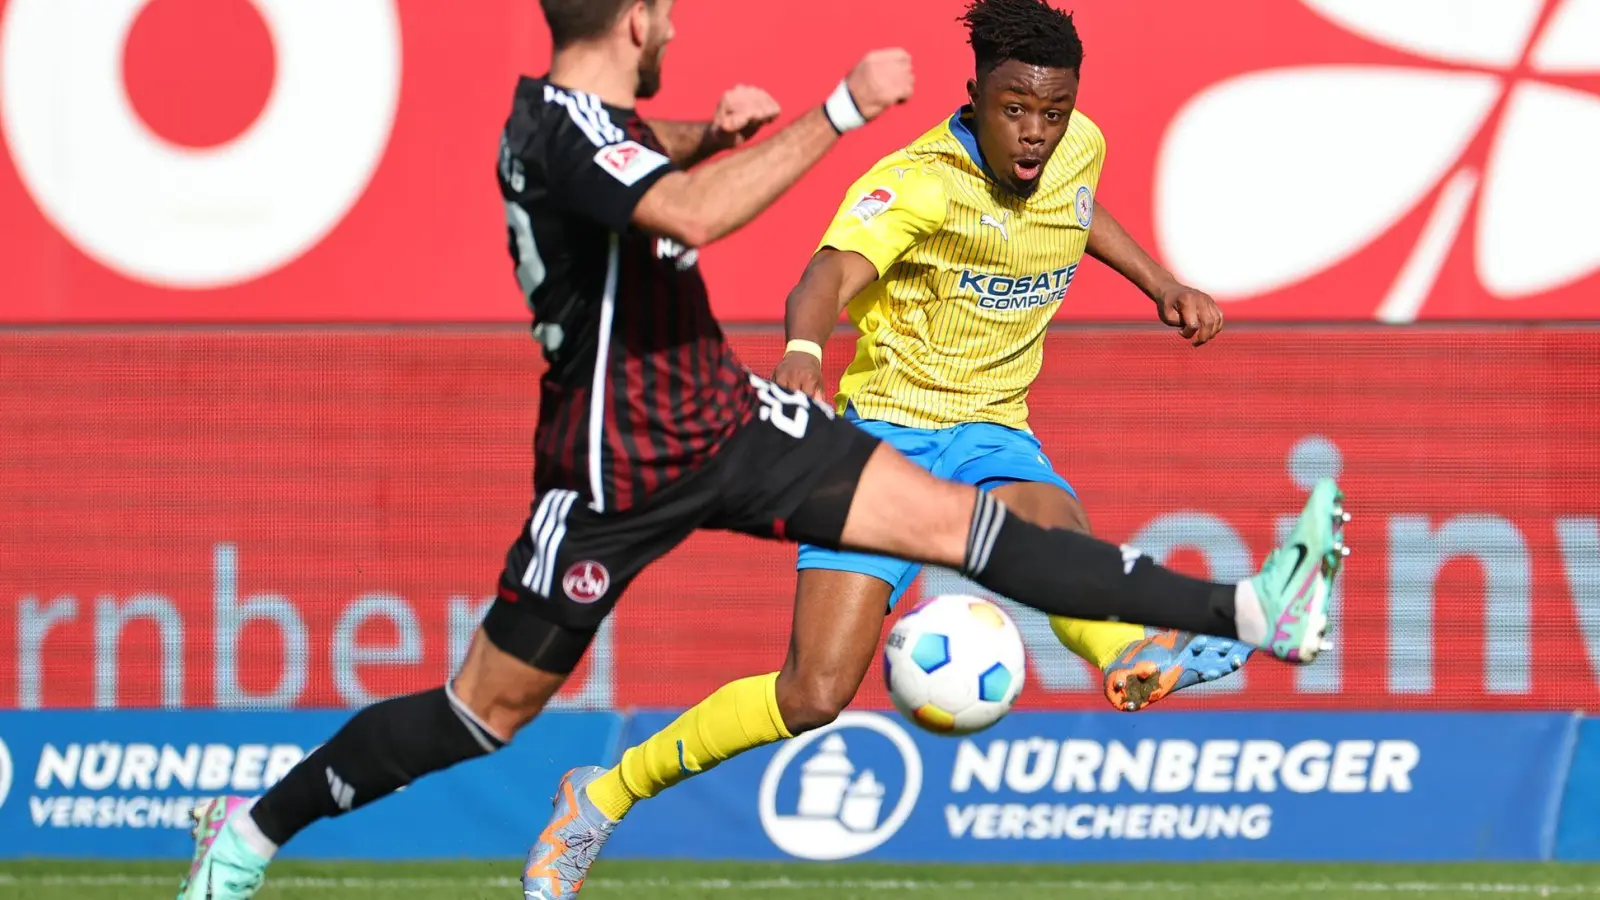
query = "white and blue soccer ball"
{"x": 954, "y": 664}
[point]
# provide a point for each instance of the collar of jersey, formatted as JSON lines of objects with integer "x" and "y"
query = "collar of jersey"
{"x": 969, "y": 141}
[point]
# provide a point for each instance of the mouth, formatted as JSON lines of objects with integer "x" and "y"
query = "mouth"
{"x": 1028, "y": 168}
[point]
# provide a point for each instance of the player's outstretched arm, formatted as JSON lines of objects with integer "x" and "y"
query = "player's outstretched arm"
{"x": 829, "y": 282}
{"x": 716, "y": 199}
{"x": 1179, "y": 305}
{"x": 741, "y": 112}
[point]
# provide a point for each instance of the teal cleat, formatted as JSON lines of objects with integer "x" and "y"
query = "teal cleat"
{"x": 223, "y": 868}
{"x": 1167, "y": 661}
{"x": 569, "y": 844}
{"x": 1296, "y": 581}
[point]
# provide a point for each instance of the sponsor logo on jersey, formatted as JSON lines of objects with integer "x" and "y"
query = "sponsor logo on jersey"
{"x": 1007, "y": 292}
{"x": 684, "y": 258}
{"x": 629, "y": 161}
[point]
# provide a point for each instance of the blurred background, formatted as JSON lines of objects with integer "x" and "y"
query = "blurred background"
{"x": 267, "y": 397}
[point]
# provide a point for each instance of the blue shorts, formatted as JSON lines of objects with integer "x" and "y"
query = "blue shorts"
{"x": 977, "y": 453}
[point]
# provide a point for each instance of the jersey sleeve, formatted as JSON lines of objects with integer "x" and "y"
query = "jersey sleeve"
{"x": 887, "y": 212}
{"x": 596, "y": 170}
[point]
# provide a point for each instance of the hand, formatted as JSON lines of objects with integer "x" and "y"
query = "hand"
{"x": 740, "y": 114}
{"x": 801, "y": 372}
{"x": 882, "y": 79}
{"x": 1194, "y": 312}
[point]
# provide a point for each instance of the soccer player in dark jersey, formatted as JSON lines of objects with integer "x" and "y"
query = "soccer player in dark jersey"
{"x": 650, "y": 429}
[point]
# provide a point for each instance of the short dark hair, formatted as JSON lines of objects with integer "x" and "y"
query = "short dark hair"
{"x": 571, "y": 21}
{"x": 1029, "y": 31}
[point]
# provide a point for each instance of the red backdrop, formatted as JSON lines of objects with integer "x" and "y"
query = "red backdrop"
{"x": 361, "y": 484}
{"x": 1395, "y": 164}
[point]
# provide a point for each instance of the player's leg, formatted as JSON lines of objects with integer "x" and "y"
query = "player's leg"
{"x": 1067, "y": 574}
{"x": 1139, "y": 665}
{"x": 533, "y": 636}
{"x": 383, "y": 748}
{"x": 840, "y": 603}
{"x": 838, "y": 616}
{"x": 1053, "y": 506}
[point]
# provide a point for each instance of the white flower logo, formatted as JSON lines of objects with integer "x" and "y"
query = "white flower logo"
{"x": 1318, "y": 162}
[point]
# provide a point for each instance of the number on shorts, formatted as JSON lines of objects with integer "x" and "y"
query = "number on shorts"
{"x": 786, "y": 409}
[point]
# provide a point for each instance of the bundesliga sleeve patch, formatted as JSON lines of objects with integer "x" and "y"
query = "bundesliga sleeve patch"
{"x": 872, "y": 205}
{"x": 629, "y": 161}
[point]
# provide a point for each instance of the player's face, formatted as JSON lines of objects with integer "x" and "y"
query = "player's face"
{"x": 1022, "y": 113}
{"x": 655, "y": 32}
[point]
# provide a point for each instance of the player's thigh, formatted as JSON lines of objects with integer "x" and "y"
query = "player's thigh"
{"x": 899, "y": 509}
{"x": 838, "y": 616}
{"x": 1043, "y": 504}
{"x": 564, "y": 572}
{"x": 800, "y": 473}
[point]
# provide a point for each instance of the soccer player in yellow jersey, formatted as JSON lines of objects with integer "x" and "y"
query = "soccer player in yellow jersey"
{"x": 952, "y": 255}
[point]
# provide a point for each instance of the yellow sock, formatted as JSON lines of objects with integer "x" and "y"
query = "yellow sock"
{"x": 1097, "y": 642}
{"x": 739, "y": 716}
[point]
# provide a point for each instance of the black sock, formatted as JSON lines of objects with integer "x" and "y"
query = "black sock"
{"x": 381, "y": 749}
{"x": 1065, "y": 573}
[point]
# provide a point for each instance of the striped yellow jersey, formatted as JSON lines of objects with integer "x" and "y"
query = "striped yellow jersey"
{"x": 969, "y": 276}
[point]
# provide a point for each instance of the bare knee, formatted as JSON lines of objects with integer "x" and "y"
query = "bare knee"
{"x": 810, "y": 700}
{"x": 504, "y": 692}
{"x": 1044, "y": 504}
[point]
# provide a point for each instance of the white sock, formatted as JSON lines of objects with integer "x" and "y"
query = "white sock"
{"x": 244, "y": 825}
{"x": 1249, "y": 619}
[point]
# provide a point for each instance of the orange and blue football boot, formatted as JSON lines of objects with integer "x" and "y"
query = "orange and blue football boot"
{"x": 1165, "y": 661}
{"x": 561, "y": 857}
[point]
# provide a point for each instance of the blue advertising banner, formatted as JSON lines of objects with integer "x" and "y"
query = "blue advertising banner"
{"x": 1578, "y": 833}
{"x": 121, "y": 784}
{"x": 1052, "y": 787}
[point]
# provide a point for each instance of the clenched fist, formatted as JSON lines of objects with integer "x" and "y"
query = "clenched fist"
{"x": 740, "y": 114}
{"x": 1194, "y": 313}
{"x": 882, "y": 79}
{"x": 801, "y": 372}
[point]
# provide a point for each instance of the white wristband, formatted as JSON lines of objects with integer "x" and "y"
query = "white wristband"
{"x": 799, "y": 345}
{"x": 842, "y": 111}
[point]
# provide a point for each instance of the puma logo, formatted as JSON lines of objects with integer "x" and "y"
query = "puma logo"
{"x": 999, "y": 224}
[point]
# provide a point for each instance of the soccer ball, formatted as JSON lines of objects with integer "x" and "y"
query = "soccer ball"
{"x": 954, "y": 664}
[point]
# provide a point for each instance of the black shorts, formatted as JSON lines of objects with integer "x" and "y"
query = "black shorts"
{"x": 782, "y": 476}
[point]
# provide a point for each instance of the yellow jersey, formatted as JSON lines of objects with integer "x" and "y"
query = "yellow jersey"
{"x": 969, "y": 276}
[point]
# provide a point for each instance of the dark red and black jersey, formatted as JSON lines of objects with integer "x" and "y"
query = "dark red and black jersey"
{"x": 642, "y": 387}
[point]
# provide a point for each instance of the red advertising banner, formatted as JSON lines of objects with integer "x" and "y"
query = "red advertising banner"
{"x": 230, "y": 160}
{"x": 314, "y": 518}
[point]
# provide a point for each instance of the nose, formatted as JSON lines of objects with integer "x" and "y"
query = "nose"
{"x": 1032, "y": 131}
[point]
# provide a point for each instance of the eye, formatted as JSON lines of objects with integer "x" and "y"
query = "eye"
{"x": 1013, "y": 110}
{"x": 1054, "y": 116}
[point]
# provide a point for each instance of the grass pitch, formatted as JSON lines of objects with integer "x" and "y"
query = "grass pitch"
{"x": 290, "y": 880}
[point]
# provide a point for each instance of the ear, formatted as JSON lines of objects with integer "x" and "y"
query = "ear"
{"x": 972, "y": 92}
{"x": 638, "y": 17}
